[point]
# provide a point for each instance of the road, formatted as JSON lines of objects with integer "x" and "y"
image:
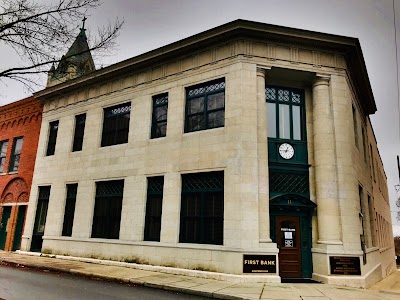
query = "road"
{"x": 30, "y": 284}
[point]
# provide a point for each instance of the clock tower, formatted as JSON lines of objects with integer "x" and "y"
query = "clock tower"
{"x": 290, "y": 204}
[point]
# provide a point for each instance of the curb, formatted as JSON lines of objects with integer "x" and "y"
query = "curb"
{"x": 134, "y": 281}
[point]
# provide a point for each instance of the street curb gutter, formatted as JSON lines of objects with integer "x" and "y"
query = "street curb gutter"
{"x": 134, "y": 281}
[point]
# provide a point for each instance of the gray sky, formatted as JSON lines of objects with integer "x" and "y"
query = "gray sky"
{"x": 150, "y": 24}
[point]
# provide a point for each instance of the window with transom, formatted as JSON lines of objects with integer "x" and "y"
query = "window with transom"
{"x": 51, "y": 144}
{"x": 107, "y": 209}
{"x": 285, "y": 113}
{"x": 80, "y": 121}
{"x": 159, "y": 118}
{"x": 69, "y": 211}
{"x": 16, "y": 154}
{"x": 3, "y": 153}
{"x": 202, "y": 208}
{"x": 152, "y": 227}
{"x": 116, "y": 125}
{"x": 205, "y": 106}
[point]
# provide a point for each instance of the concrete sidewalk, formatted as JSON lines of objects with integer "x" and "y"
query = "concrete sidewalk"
{"x": 386, "y": 289}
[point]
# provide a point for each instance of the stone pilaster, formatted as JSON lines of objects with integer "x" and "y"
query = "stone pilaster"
{"x": 262, "y": 157}
{"x": 329, "y": 231}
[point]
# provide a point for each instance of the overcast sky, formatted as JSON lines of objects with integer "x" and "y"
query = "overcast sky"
{"x": 150, "y": 24}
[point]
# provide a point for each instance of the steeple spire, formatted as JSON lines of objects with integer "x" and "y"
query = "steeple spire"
{"x": 82, "y": 32}
{"x": 76, "y": 62}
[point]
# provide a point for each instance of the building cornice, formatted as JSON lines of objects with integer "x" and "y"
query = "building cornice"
{"x": 239, "y": 30}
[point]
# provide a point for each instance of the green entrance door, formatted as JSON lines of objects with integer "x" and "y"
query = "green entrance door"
{"x": 18, "y": 227}
{"x": 3, "y": 226}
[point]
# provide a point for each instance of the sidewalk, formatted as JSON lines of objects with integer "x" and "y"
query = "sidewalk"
{"x": 386, "y": 289}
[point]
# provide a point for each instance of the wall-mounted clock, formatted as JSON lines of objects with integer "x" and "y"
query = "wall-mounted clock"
{"x": 286, "y": 151}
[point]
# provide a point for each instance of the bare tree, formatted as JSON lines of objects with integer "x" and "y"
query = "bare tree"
{"x": 41, "y": 32}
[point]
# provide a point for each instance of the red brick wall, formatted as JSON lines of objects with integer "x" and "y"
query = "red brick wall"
{"x": 21, "y": 118}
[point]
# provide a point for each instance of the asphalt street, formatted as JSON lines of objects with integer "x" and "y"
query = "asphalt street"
{"x": 20, "y": 283}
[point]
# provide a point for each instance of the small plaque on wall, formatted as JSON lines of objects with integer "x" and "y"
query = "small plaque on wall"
{"x": 345, "y": 265}
{"x": 259, "y": 263}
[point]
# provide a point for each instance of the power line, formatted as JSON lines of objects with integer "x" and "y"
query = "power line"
{"x": 397, "y": 64}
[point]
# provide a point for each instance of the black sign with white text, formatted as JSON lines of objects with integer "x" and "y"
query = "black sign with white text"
{"x": 345, "y": 265}
{"x": 259, "y": 263}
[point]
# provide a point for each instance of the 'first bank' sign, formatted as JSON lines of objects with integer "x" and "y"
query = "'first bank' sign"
{"x": 259, "y": 263}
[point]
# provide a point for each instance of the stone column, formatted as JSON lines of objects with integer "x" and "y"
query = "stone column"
{"x": 262, "y": 159}
{"x": 326, "y": 184}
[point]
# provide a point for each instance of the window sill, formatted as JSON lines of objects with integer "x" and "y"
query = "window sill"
{"x": 108, "y": 146}
{"x": 205, "y": 130}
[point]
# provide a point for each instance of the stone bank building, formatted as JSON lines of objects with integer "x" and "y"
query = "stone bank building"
{"x": 246, "y": 149}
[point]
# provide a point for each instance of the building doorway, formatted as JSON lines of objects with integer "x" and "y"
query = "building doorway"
{"x": 19, "y": 226}
{"x": 288, "y": 240}
{"x": 4, "y": 226}
{"x": 290, "y": 217}
{"x": 40, "y": 219}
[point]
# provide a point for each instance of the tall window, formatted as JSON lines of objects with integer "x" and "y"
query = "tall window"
{"x": 3, "y": 153}
{"x": 152, "y": 227}
{"x": 16, "y": 154}
{"x": 285, "y": 113}
{"x": 205, "y": 106}
{"x": 116, "y": 125}
{"x": 159, "y": 118}
{"x": 80, "y": 121}
{"x": 69, "y": 211}
{"x": 202, "y": 208}
{"x": 371, "y": 221}
{"x": 107, "y": 209}
{"x": 355, "y": 127}
{"x": 51, "y": 144}
{"x": 364, "y": 143}
{"x": 363, "y": 237}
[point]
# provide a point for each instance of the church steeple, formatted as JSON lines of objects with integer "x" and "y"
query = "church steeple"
{"x": 76, "y": 62}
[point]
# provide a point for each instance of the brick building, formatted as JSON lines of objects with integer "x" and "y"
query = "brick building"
{"x": 241, "y": 150}
{"x": 19, "y": 134}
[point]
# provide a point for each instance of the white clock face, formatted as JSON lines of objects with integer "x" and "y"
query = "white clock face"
{"x": 286, "y": 151}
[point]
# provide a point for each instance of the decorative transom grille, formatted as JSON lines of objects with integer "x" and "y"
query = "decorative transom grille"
{"x": 203, "y": 181}
{"x": 270, "y": 93}
{"x": 110, "y": 188}
{"x": 155, "y": 184}
{"x": 161, "y": 99}
{"x": 282, "y": 95}
{"x": 71, "y": 190}
{"x": 288, "y": 183}
{"x": 44, "y": 192}
{"x": 211, "y": 87}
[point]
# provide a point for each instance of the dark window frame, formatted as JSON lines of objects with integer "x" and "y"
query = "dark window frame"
{"x": 152, "y": 227}
{"x": 52, "y": 140}
{"x": 205, "y": 90}
{"x": 159, "y": 102}
{"x": 15, "y": 158}
{"x": 355, "y": 125}
{"x": 272, "y": 96}
{"x": 69, "y": 209}
{"x": 107, "y": 209}
{"x": 79, "y": 132}
{"x": 3, "y": 155}
{"x": 116, "y": 123}
{"x": 196, "y": 218}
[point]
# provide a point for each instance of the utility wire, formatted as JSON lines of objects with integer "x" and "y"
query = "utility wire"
{"x": 397, "y": 64}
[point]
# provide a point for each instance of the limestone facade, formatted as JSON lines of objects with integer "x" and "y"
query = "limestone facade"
{"x": 248, "y": 56}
